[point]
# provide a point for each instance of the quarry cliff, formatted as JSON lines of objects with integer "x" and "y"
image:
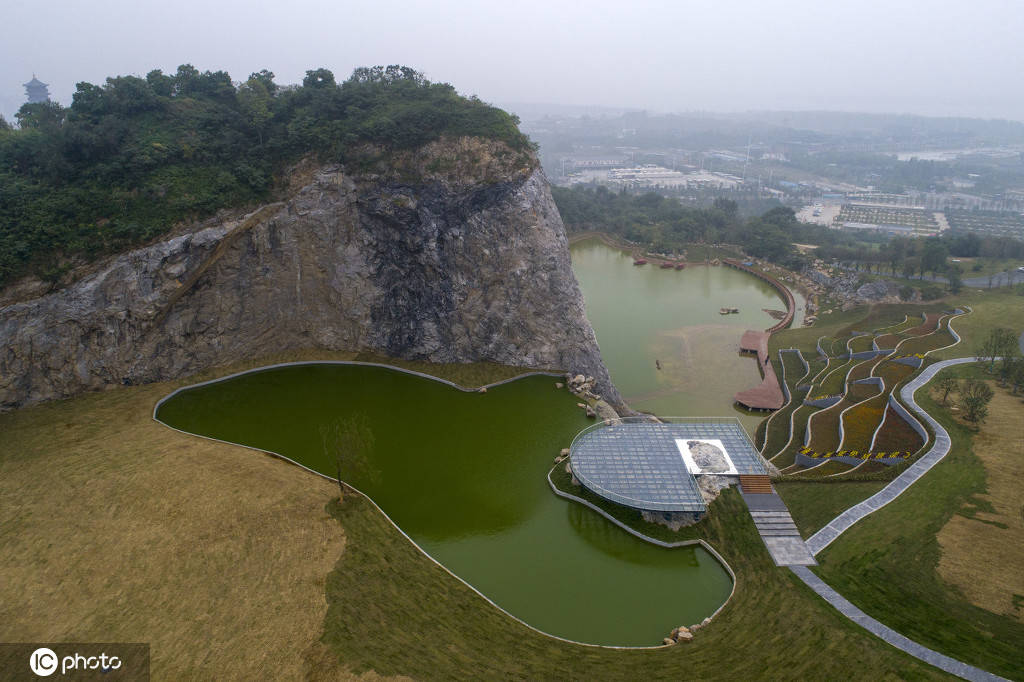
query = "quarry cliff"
{"x": 451, "y": 252}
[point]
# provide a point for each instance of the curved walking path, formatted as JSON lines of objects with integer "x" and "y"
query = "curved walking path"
{"x": 824, "y": 537}
{"x": 940, "y": 661}
{"x": 940, "y": 447}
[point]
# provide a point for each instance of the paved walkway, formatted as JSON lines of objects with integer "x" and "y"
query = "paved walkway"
{"x": 837, "y": 526}
{"x": 821, "y": 539}
{"x": 950, "y": 665}
{"x": 777, "y": 530}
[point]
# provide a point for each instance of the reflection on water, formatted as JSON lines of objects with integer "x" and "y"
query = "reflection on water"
{"x": 464, "y": 475}
{"x": 645, "y": 317}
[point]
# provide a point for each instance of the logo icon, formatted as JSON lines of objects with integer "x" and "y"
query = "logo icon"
{"x": 43, "y": 662}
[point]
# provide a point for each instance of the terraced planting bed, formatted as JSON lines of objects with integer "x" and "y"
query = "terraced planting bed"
{"x": 817, "y": 364}
{"x": 859, "y": 392}
{"x": 862, "y": 370}
{"x": 826, "y": 469}
{"x": 924, "y": 344}
{"x": 834, "y": 381}
{"x": 861, "y": 422}
{"x": 860, "y": 343}
{"x": 777, "y": 426}
{"x": 888, "y": 340}
{"x": 892, "y": 373}
{"x": 800, "y": 417}
{"x": 930, "y": 324}
{"x": 896, "y": 434}
{"x": 825, "y": 428}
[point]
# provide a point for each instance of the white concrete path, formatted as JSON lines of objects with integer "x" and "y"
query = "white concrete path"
{"x": 940, "y": 447}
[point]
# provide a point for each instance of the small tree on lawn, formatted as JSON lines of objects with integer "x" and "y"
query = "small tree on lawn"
{"x": 1000, "y": 342}
{"x": 974, "y": 398}
{"x": 347, "y": 444}
{"x": 1016, "y": 375}
{"x": 947, "y": 385}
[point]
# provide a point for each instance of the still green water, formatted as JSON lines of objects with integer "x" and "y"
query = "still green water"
{"x": 463, "y": 474}
{"x": 642, "y": 314}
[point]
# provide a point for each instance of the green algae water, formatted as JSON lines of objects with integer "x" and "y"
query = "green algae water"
{"x": 646, "y": 314}
{"x": 463, "y": 474}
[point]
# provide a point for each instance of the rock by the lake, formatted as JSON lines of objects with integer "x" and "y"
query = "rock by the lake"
{"x": 559, "y": 385}
{"x": 605, "y": 411}
{"x": 564, "y": 452}
{"x": 451, "y": 252}
{"x": 590, "y": 412}
{"x": 668, "y": 641}
{"x": 707, "y": 457}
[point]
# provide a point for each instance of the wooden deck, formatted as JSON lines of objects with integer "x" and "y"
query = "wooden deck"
{"x": 768, "y": 394}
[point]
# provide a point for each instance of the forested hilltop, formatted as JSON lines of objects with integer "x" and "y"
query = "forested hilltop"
{"x": 130, "y": 158}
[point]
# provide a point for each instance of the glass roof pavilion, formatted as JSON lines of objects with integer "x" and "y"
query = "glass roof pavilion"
{"x": 641, "y": 464}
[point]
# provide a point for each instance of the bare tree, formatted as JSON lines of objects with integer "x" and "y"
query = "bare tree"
{"x": 947, "y": 385}
{"x": 347, "y": 444}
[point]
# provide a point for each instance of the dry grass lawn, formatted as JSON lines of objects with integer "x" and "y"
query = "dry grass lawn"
{"x": 120, "y": 529}
{"x": 116, "y": 528}
{"x": 982, "y": 553}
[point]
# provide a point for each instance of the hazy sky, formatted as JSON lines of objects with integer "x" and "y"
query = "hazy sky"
{"x": 934, "y": 57}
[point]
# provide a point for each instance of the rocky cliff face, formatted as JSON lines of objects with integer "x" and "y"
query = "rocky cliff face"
{"x": 452, "y": 253}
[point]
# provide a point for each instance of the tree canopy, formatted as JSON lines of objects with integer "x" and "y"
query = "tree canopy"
{"x": 133, "y": 156}
{"x": 667, "y": 226}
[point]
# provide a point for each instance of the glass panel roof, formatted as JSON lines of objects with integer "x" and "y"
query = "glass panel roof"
{"x": 638, "y": 463}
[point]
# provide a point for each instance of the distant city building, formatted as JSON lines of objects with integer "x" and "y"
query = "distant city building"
{"x": 37, "y": 91}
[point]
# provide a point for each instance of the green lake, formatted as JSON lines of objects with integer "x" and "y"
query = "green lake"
{"x": 644, "y": 313}
{"x": 463, "y": 474}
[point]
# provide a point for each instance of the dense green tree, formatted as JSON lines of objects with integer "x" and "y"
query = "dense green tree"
{"x": 933, "y": 256}
{"x": 974, "y": 399}
{"x": 133, "y": 156}
{"x": 956, "y": 282}
{"x": 318, "y": 78}
{"x": 44, "y": 116}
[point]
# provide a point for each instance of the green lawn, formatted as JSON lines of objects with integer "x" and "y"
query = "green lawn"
{"x": 886, "y": 565}
{"x": 990, "y": 309}
{"x": 814, "y": 503}
{"x": 393, "y": 611}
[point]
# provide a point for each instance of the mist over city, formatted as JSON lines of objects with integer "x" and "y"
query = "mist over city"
{"x": 920, "y": 57}
{"x": 525, "y": 340}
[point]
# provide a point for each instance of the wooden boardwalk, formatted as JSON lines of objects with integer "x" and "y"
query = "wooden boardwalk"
{"x": 768, "y": 394}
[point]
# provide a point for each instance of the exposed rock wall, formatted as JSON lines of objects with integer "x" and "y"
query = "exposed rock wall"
{"x": 431, "y": 258}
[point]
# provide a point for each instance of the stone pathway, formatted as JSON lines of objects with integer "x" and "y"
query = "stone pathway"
{"x": 950, "y": 665}
{"x": 777, "y": 530}
{"x": 837, "y": 526}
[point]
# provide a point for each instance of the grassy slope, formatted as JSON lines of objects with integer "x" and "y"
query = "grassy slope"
{"x": 115, "y": 528}
{"x": 991, "y": 308}
{"x": 225, "y": 556}
{"x": 886, "y": 565}
{"x": 813, "y": 504}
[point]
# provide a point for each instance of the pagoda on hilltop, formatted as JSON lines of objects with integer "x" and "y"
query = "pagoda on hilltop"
{"x": 37, "y": 91}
